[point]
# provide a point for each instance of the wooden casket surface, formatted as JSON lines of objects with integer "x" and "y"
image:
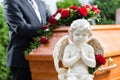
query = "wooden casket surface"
{"x": 41, "y": 60}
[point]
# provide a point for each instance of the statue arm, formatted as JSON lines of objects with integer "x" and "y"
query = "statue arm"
{"x": 90, "y": 59}
{"x": 69, "y": 60}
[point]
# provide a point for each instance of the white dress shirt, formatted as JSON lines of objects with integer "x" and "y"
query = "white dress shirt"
{"x": 35, "y": 7}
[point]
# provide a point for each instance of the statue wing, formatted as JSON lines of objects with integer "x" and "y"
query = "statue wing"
{"x": 58, "y": 53}
{"x": 96, "y": 44}
{"x": 98, "y": 49}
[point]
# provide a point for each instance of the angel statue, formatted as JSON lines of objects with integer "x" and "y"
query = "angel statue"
{"x": 76, "y": 52}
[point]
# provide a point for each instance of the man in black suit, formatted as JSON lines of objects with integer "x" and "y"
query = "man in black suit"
{"x": 23, "y": 22}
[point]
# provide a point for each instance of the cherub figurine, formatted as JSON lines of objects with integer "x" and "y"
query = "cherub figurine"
{"x": 76, "y": 52}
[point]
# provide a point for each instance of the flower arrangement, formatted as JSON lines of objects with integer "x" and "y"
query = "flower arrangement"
{"x": 64, "y": 17}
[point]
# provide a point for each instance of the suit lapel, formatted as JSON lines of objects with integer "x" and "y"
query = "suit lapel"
{"x": 31, "y": 9}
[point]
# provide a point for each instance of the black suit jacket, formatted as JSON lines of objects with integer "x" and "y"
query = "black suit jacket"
{"x": 23, "y": 25}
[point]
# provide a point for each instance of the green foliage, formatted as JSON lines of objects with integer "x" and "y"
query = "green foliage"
{"x": 91, "y": 70}
{"x": 117, "y": 3}
{"x": 4, "y": 71}
{"x": 108, "y": 9}
{"x": 67, "y": 3}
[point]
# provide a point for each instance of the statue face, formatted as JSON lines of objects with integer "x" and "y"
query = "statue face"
{"x": 80, "y": 36}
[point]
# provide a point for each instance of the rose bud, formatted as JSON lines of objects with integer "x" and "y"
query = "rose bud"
{"x": 43, "y": 40}
{"x": 74, "y": 7}
{"x": 44, "y": 27}
{"x": 59, "y": 10}
{"x": 65, "y": 13}
{"x": 52, "y": 20}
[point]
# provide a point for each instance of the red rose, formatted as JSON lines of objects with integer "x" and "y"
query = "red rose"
{"x": 59, "y": 10}
{"x": 44, "y": 27}
{"x": 100, "y": 60}
{"x": 83, "y": 11}
{"x": 95, "y": 9}
{"x": 43, "y": 40}
{"x": 54, "y": 14}
{"x": 52, "y": 20}
{"x": 73, "y": 7}
{"x": 65, "y": 13}
{"x": 87, "y": 6}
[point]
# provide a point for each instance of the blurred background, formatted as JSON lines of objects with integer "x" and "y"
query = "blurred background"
{"x": 110, "y": 14}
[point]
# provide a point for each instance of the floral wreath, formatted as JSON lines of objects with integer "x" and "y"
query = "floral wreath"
{"x": 65, "y": 17}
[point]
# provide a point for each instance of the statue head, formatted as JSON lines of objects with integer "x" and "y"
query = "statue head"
{"x": 81, "y": 28}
